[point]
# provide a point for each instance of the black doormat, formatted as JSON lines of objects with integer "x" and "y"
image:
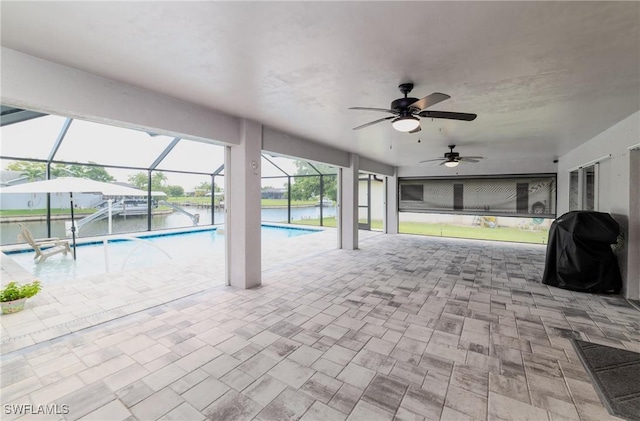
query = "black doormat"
{"x": 616, "y": 374}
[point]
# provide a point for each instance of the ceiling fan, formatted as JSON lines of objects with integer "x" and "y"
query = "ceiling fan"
{"x": 452, "y": 159}
{"x": 406, "y": 111}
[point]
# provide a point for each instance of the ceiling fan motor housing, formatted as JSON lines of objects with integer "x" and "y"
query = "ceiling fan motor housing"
{"x": 402, "y": 104}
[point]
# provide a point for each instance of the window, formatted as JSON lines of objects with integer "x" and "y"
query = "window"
{"x": 589, "y": 197}
{"x": 522, "y": 197}
{"x": 458, "y": 201}
{"x": 583, "y": 188}
{"x": 574, "y": 190}
{"x": 87, "y": 142}
{"x": 532, "y": 195}
{"x": 412, "y": 193}
{"x": 32, "y": 138}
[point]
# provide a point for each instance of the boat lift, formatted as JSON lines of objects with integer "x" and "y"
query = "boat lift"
{"x": 119, "y": 207}
{"x": 195, "y": 217}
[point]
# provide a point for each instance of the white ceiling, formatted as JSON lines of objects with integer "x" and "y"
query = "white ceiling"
{"x": 543, "y": 77}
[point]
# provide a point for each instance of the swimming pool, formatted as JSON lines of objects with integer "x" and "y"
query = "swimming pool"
{"x": 119, "y": 254}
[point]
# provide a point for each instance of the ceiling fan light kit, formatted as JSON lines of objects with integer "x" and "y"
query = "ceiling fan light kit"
{"x": 451, "y": 159}
{"x": 408, "y": 110}
{"x": 405, "y": 123}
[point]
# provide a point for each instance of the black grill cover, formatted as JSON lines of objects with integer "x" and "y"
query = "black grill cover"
{"x": 579, "y": 255}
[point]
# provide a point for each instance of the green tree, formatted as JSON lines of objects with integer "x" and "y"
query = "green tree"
{"x": 91, "y": 172}
{"x": 202, "y": 189}
{"x": 175, "y": 191}
{"x": 139, "y": 179}
{"x": 61, "y": 170}
{"x": 308, "y": 188}
{"x": 96, "y": 173}
{"x": 158, "y": 181}
{"x": 36, "y": 171}
{"x": 32, "y": 170}
{"x": 205, "y": 187}
{"x": 305, "y": 188}
{"x": 69, "y": 170}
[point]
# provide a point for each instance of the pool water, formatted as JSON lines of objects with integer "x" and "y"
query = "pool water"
{"x": 151, "y": 250}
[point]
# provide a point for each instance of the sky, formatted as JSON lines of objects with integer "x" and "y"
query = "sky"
{"x": 110, "y": 145}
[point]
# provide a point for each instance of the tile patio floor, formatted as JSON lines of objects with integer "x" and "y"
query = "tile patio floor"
{"x": 76, "y": 304}
{"x": 405, "y": 328}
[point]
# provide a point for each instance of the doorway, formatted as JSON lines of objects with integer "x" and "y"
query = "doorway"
{"x": 364, "y": 201}
{"x": 633, "y": 242}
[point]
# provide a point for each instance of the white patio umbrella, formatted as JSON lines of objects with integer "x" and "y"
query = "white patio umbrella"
{"x": 76, "y": 185}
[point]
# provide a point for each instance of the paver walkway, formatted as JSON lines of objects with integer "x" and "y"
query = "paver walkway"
{"x": 405, "y": 328}
{"x": 76, "y": 304}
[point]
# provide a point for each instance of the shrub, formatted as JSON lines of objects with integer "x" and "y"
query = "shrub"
{"x": 14, "y": 291}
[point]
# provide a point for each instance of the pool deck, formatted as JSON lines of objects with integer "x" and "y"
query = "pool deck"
{"x": 405, "y": 328}
{"x": 63, "y": 308}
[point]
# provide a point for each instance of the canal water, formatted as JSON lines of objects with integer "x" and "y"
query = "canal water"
{"x": 9, "y": 231}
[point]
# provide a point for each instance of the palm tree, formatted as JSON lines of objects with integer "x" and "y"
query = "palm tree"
{"x": 32, "y": 170}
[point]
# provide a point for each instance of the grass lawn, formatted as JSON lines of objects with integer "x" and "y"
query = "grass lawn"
{"x": 283, "y": 202}
{"x": 329, "y": 221}
{"x": 204, "y": 200}
{"x": 481, "y": 233}
{"x": 38, "y": 212}
{"x": 443, "y": 230}
{"x": 264, "y": 202}
{"x": 42, "y": 212}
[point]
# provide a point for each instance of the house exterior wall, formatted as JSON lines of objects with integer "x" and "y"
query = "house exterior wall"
{"x": 485, "y": 195}
{"x": 39, "y": 200}
{"x": 618, "y": 189}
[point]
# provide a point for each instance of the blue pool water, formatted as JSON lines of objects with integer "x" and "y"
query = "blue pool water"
{"x": 149, "y": 250}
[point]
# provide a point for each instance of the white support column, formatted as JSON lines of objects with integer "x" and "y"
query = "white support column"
{"x": 348, "y": 228}
{"x": 242, "y": 198}
{"x": 391, "y": 191}
{"x": 632, "y": 257}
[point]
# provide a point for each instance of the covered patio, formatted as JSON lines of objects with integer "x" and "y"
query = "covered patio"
{"x": 86, "y": 301}
{"x": 407, "y": 327}
{"x": 365, "y": 325}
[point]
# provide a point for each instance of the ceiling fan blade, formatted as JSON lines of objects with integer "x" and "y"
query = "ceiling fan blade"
{"x": 373, "y": 122}
{"x": 432, "y": 160}
{"x": 468, "y": 160}
{"x": 448, "y": 115}
{"x": 429, "y": 100}
{"x": 416, "y": 130}
{"x": 474, "y": 157}
{"x": 384, "y": 110}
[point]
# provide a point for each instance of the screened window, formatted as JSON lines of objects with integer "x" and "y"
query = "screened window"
{"x": 574, "y": 188}
{"x": 273, "y": 167}
{"x": 31, "y": 139}
{"x": 412, "y": 193}
{"x": 193, "y": 156}
{"x": 109, "y": 145}
{"x": 517, "y": 195}
{"x": 458, "y": 196}
{"x": 583, "y": 188}
{"x": 590, "y": 188}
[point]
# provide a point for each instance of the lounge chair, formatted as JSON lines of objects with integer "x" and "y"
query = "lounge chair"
{"x": 44, "y": 247}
